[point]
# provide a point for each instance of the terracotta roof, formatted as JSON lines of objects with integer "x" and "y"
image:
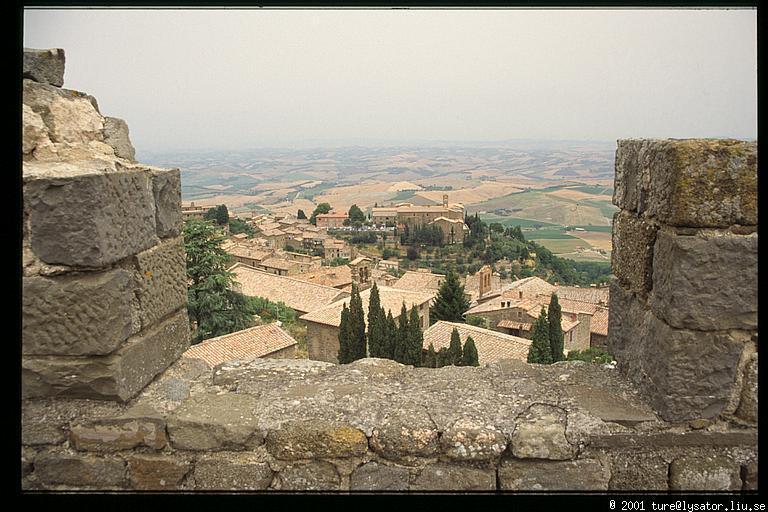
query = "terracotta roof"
{"x": 529, "y": 286}
{"x": 266, "y": 226}
{"x": 328, "y": 276}
{"x": 599, "y": 324}
{"x": 256, "y": 341}
{"x": 452, "y": 221}
{"x": 272, "y": 232}
{"x": 418, "y": 281}
{"x": 296, "y": 294}
{"x": 593, "y": 295}
{"x": 491, "y": 345}
{"x": 359, "y": 259}
{"x": 278, "y": 263}
{"x": 248, "y": 252}
{"x": 391, "y": 300}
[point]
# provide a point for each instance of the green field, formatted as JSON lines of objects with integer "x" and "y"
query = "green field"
{"x": 548, "y": 234}
{"x": 403, "y": 194}
{"x": 515, "y": 221}
{"x": 595, "y": 229}
{"x": 594, "y": 189}
{"x": 560, "y": 246}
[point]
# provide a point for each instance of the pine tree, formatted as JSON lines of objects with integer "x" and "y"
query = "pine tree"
{"x": 540, "y": 351}
{"x": 430, "y": 360}
{"x": 401, "y": 343}
{"x": 392, "y": 334}
{"x": 376, "y": 334}
{"x": 357, "y": 325}
{"x": 415, "y": 339}
{"x": 556, "y": 339}
{"x": 454, "y": 349}
{"x": 450, "y": 303}
{"x": 469, "y": 353}
{"x": 344, "y": 356}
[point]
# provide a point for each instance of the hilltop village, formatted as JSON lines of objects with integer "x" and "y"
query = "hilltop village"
{"x": 309, "y": 265}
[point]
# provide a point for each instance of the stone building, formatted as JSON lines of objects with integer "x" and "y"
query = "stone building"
{"x": 491, "y": 345}
{"x": 330, "y": 220}
{"x": 454, "y": 230}
{"x": 413, "y": 215}
{"x": 420, "y": 281}
{"x": 267, "y": 340}
{"x": 191, "y": 211}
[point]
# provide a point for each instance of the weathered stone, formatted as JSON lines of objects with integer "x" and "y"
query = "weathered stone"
{"x": 215, "y": 422}
{"x": 163, "y": 272}
{"x": 540, "y": 434}
{"x": 314, "y": 476}
{"x": 631, "y": 471}
{"x": 44, "y": 66}
{"x": 749, "y": 476}
{"x": 72, "y": 118}
{"x": 748, "y": 406}
{"x": 378, "y": 477}
{"x": 626, "y": 317}
{"x": 60, "y": 468}
{"x": 116, "y": 135}
{"x": 690, "y": 373}
{"x": 33, "y": 130}
{"x": 575, "y": 475}
{"x": 84, "y": 314}
{"x": 232, "y": 471}
{"x": 26, "y": 467}
{"x": 86, "y": 215}
{"x": 157, "y": 472}
{"x": 166, "y": 188}
{"x": 118, "y": 434}
{"x": 47, "y": 421}
{"x": 632, "y": 255}
{"x": 698, "y": 473}
{"x": 307, "y": 439}
{"x": 688, "y": 268}
{"x": 118, "y": 376}
{"x": 448, "y": 477}
{"x": 692, "y": 182}
{"x": 468, "y": 440}
{"x": 405, "y": 433}
{"x": 653, "y": 440}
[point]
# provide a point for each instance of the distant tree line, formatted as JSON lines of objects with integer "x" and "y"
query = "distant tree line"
{"x": 422, "y": 235}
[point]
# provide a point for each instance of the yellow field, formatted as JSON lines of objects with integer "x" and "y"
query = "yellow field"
{"x": 483, "y": 192}
{"x": 577, "y": 195}
{"x": 599, "y": 240}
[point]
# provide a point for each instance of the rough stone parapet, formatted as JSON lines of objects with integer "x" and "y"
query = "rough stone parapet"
{"x": 293, "y": 425}
{"x": 683, "y": 310}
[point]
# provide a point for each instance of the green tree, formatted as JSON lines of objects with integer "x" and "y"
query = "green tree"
{"x": 430, "y": 359}
{"x": 345, "y": 337}
{"x": 415, "y": 342}
{"x": 540, "y": 351}
{"x": 356, "y": 214}
{"x": 300, "y": 214}
{"x": 214, "y": 307}
{"x": 357, "y": 325}
{"x": 454, "y": 349}
{"x": 443, "y": 357}
{"x": 450, "y": 303}
{"x": 401, "y": 342}
{"x": 321, "y": 208}
{"x": 377, "y": 336}
{"x": 556, "y": 339}
{"x": 238, "y": 226}
{"x": 218, "y": 214}
{"x": 392, "y": 335}
{"x": 469, "y": 353}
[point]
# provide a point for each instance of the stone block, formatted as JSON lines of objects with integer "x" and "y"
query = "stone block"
{"x": 747, "y": 409}
{"x": 690, "y": 182}
{"x": 405, "y": 433}
{"x": 471, "y": 440}
{"x": 118, "y": 434}
{"x": 690, "y": 374}
{"x": 540, "y": 434}
{"x": 215, "y": 422}
{"x": 116, "y": 135}
{"x": 60, "y": 468}
{"x": 232, "y": 471}
{"x": 157, "y": 472}
{"x": 166, "y": 188}
{"x": 72, "y": 118}
{"x": 316, "y": 438}
{"x": 574, "y": 475}
{"x": 626, "y": 314}
{"x": 378, "y": 477}
{"x": 632, "y": 255}
{"x": 33, "y": 130}
{"x": 450, "y": 477}
{"x": 631, "y": 471}
{"x": 44, "y": 66}
{"x": 749, "y": 476}
{"x": 700, "y": 473}
{"x": 82, "y": 314}
{"x": 163, "y": 274}
{"x": 706, "y": 281}
{"x": 118, "y": 376}
{"x": 314, "y": 476}
{"x": 87, "y": 215}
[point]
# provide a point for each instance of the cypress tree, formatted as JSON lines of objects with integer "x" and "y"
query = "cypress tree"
{"x": 469, "y": 353}
{"x": 454, "y": 349}
{"x": 556, "y": 339}
{"x": 375, "y": 332}
{"x": 430, "y": 360}
{"x": 391, "y": 336}
{"x": 450, "y": 303}
{"x": 443, "y": 357}
{"x": 401, "y": 343}
{"x": 357, "y": 326}
{"x": 344, "y": 337}
{"x": 540, "y": 350}
{"x": 415, "y": 339}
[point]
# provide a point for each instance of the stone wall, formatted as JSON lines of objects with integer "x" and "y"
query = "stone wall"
{"x": 103, "y": 285}
{"x": 683, "y": 312}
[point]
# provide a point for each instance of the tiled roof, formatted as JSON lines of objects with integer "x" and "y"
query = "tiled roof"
{"x": 359, "y": 259}
{"x": 529, "y": 286}
{"x": 328, "y": 276}
{"x": 491, "y": 345}
{"x": 417, "y": 281}
{"x": 599, "y": 324}
{"x": 256, "y": 341}
{"x": 391, "y": 300}
{"x": 278, "y": 263}
{"x": 249, "y": 252}
{"x": 296, "y": 294}
{"x": 272, "y": 232}
{"x": 452, "y": 221}
{"x": 267, "y": 226}
{"x": 593, "y": 295}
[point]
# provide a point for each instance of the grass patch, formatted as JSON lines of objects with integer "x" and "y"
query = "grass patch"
{"x": 403, "y": 194}
{"x": 515, "y": 221}
{"x": 560, "y": 246}
{"x": 548, "y": 234}
{"x": 599, "y": 190}
{"x": 596, "y": 229}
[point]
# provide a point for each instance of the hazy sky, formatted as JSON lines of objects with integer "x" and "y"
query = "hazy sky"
{"x": 249, "y": 78}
